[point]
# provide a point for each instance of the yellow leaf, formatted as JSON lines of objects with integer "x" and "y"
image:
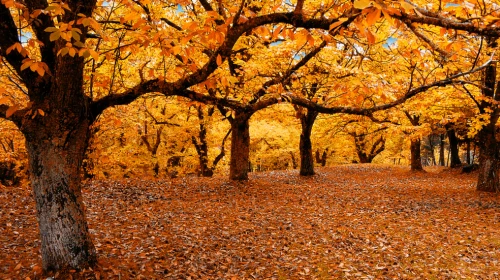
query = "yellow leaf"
{"x": 407, "y": 6}
{"x": 361, "y": 4}
{"x": 10, "y": 111}
{"x": 388, "y": 17}
{"x": 54, "y": 35}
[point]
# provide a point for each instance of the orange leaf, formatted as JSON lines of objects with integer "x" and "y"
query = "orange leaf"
{"x": 11, "y": 110}
{"x": 373, "y": 17}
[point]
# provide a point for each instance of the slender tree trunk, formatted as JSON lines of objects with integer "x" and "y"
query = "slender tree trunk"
{"x": 431, "y": 147}
{"x": 468, "y": 158}
{"x": 56, "y": 146}
{"x": 441, "y": 150}
{"x": 240, "y": 146}
{"x": 454, "y": 151}
{"x": 416, "y": 160}
{"x": 202, "y": 147}
{"x": 306, "y": 154}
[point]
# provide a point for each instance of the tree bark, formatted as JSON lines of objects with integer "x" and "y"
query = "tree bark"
{"x": 489, "y": 164}
{"x": 441, "y": 150}
{"x": 454, "y": 151}
{"x": 55, "y": 177}
{"x": 416, "y": 161}
{"x": 488, "y": 179}
{"x": 305, "y": 146}
{"x": 468, "y": 157}
{"x": 202, "y": 146}
{"x": 431, "y": 149}
{"x": 240, "y": 146}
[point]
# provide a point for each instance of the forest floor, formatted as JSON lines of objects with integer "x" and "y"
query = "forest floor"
{"x": 354, "y": 222}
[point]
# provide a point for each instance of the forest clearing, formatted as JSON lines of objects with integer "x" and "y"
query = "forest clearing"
{"x": 351, "y": 221}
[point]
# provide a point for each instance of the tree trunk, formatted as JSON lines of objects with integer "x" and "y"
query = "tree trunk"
{"x": 489, "y": 164}
{"x": 431, "y": 148}
{"x": 56, "y": 146}
{"x": 202, "y": 146}
{"x": 240, "y": 146}
{"x": 441, "y": 150}
{"x": 454, "y": 156}
{"x": 488, "y": 179}
{"x": 416, "y": 161}
{"x": 306, "y": 154}
{"x": 468, "y": 158}
{"x": 57, "y": 133}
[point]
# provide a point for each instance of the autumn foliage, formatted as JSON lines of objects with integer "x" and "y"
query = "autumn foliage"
{"x": 95, "y": 92}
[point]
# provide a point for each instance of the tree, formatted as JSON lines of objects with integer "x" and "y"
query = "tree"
{"x": 76, "y": 59}
{"x": 368, "y": 140}
{"x": 57, "y": 121}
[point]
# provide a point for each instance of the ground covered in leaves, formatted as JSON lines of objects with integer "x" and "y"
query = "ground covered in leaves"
{"x": 356, "y": 222}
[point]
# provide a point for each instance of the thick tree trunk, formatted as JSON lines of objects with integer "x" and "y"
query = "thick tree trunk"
{"x": 56, "y": 148}
{"x": 56, "y": 141}
{"x": 488, "y": 179}
{"x": 416, "y": 161}
{"x": 240, "y": 146}
{"x": 306, "y": 154}
{"x": 454, "y": 152}
{"x": 489, "y": 164}
{"x": 363, "y": 157}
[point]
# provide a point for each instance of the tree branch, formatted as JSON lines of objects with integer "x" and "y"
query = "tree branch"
{"x": 368, "y": 111}
{"x": 8, "y": 37}
{"x": 39, "y": 24}
{"x": 225, "y": 50}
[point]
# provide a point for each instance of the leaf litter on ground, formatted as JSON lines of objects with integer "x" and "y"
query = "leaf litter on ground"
{"x": 352, "y": 222}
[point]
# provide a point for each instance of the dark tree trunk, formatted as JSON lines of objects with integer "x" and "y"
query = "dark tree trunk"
{"x": 323, "y": 158}
{"x": 361, "y": 148}
{"x": 240, "y": 146}
{"x": 202, "y": 146}
{"x": 55, "y": 178}
{"x": 468, "y": 158}
{"x": 454, "y": 156}
{"x": 488, "y": 179}
{"x": 306, "y": 154}
{"x": 56, "y": 144}
{"x": 431, "y": 149}
{"x": 489, "y": 164}
{"x": 294, "y": 161}
{"x": 416, "y": 160}
{"x": 441, "y": 150}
